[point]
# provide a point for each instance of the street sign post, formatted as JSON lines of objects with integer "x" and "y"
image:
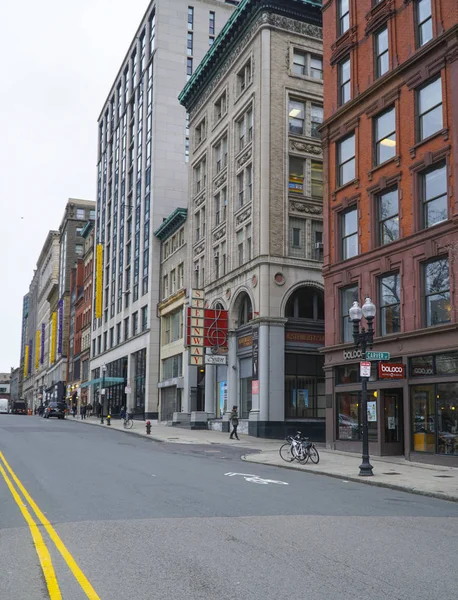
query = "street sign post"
{"x": 370, "y": 355}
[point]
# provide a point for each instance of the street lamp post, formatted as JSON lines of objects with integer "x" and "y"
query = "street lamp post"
{"x": 364, "y": 339}
{"x": 102, "y": 392}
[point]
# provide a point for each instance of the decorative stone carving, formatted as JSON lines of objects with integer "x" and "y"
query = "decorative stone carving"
{"x": 199, "y": 249}
{"x": 243, "y": 216}
{"x": 219, "y": 234}
{"x": 302, "y": 207}
{"x": 244, "y": 157}
{"x": 221, "y": 179}
{"x": 198, "y": 201}
{"x": 378, "y": 15}
{"x": 304, "y": 147}
{"x": 343, "y": 45}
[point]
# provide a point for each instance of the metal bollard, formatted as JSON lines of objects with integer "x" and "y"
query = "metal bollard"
{"x": 108, "y": 420}
{"x": 148, "y": 427}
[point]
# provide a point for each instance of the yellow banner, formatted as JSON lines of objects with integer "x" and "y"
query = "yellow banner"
{"x": 99, "y": 281}
{"x": 26, "y": 361}
{"x": 52, "y": 354}
{"x": 37, "y": 349}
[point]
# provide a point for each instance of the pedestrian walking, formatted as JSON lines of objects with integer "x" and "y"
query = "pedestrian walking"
{"x": 234, "y": 422}
{"x": 89, "y": 410}
{"x": 74, "y": 409}
{"x": 83, "y": 411}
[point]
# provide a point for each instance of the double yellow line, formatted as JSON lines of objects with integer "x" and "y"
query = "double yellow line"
{"x": 40, "y": 546}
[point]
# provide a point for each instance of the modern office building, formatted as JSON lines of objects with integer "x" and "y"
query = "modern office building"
{"x": 255, "y": 216}
{"x": 390, "y": 145}
{"x": 142, "y": 176}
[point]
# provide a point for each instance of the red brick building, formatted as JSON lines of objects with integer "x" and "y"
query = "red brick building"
{"x": 390, "y": 141}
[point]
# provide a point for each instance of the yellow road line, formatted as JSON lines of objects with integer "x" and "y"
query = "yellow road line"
{"x": 72, "y": 564}
{"x": 40, "y": 546}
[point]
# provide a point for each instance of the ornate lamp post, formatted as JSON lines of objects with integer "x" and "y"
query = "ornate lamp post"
{"x": 364, "y": 339}
{"x": 102, "y": 392}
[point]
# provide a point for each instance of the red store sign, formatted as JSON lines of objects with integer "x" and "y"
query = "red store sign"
{"x": 391, "y": 370}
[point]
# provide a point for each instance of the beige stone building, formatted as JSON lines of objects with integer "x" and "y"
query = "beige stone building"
{"x": 255, "y": 214}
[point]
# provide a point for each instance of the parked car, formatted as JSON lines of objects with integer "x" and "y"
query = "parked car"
{"x": 55, "y": 409}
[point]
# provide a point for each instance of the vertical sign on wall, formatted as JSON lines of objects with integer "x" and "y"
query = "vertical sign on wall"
{"x": 52, "y": 349}
{"x": 30, "y": 356}
{"x": 98, "y": 281}
{"x": 197, "y": 328}
{"x": 42, "y": 357}
{"x": 60, "y": 326}
{"x": 26, "y": 360}
{"x": 37, "y": 349}
{"x": 255, "y": 351}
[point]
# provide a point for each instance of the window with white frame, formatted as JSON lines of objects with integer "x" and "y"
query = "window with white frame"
{"x": 223, "y": 258}
{"x": 436, "y": 292}
{"x": 220, "y": 206}
{"x": 201, "y": 131}
{"x": 244, "y": 77}
{"x": 240, "y": 247}
{"x": 299, "y": 62}
{"x": 316, "y": 119}
{"x": 343, "y": 14}
{"x": 307, "y": 65}
{"x": 381, "y": 51}
{"x": 433, "y": 195}
{"x": 180, "y": 270}
{"x": 248, "y": 242}
{"x": 297, "y": 229}
{"x": 424, "y": 21}
{"x": 221, "y": 107}
{"x": 165, "y": 286}
{"x": 346, "y": 160}
{"x": 385, "y": 136}
{"x": 296, "y": 114}
{"x": 241, "y": 188}
{"x": 173, "y": 281}
{"x": 429, "y": 103}
{"x": 316, "y": 178}
{"x": 344, "y": 81}
{"x": 245, "y": 129}
{"x": 317, "y": 240}
{"x": 200, "y": 176}
{"x": 220, "y": 152}
{"x": 200, "y": 224}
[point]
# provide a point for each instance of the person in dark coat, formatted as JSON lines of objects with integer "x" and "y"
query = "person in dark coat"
{"x": 234, "y": 422}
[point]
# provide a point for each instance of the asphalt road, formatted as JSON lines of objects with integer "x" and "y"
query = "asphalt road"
{"x": 145, "y": 520}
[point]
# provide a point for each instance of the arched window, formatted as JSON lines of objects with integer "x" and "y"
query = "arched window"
{"x": 218, "y": 306}
{"x": 306, "y": 303}
{"x": 245, "y": 310}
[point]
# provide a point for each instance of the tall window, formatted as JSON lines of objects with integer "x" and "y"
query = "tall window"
{"x": 390, "y": 303}
{"x": 434, "y": 195}
{"x": 190, "y": 43}
{"x": 388, "y": 216}
{"x": 316, "y": 119}
{"x": 296, "y": 117}
{"x": 317, "y": 179}
{"x": 245, "y": 129}
{"x": 349, "y": 225}
{"x": 343, "y": 7}
{"x": 221, "y": 154}
{"x": 220, "y": 206}
{"x": 344, "y": 75}
{"x": 189, "y": 68}
{"x": 200, "y": 176}
{"x": 152, "y": 32}
{"x": 241, "y": 188}
{"x": 249, "y": 183}
{"x": 144, "y": 318}
{"x": 299, "y": 63}
{"x": 346, "y": 160}
{"x": 135, "y": 323}
{"x": 221, "y": 106}
{"x": 296, "y": 174}
{"x": 348, "y": 295}
{"x": 437, "y": 292}
{"x": 382, "y": 59}
{"x": 424, "y": 19}
{"x": 385, "y": 136}
{"x": 190, "y": 17}
{"x": 297, "y": 237}
{"x": 211, "y": 23}
{"x": 316, "y": 67}
{"x": 240, "y": 247}
{"x": 244, "y": 77}
{"x": 126, "y": 328}
{"x": 429, "y": 100}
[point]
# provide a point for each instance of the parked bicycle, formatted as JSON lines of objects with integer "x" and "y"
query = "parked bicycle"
{"x": 127, "y": 421}
{"x": 299, "y": 448}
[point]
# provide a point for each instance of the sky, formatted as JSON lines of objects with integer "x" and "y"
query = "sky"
{"x": 60, "y": 58}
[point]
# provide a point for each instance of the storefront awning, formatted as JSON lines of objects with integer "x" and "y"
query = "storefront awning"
{"x": 109, "y": 381}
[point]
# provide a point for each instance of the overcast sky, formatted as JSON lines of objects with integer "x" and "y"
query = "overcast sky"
{"x": 60, "y": 58}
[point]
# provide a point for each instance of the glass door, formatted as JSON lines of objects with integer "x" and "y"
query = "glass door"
{"x": 393, "y": 421}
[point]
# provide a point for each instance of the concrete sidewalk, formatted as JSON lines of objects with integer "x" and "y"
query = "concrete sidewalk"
{"x": 390, "y": 472}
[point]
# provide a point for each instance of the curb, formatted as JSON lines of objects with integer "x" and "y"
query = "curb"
{"x": 356, "y": 479}
{"x": 128, "y": 431}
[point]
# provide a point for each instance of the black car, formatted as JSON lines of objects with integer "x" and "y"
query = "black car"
{"x": 55, "y": 409}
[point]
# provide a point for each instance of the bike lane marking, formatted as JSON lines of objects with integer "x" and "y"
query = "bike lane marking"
{"x": 256, "y": 479}
{"x": 40, "y": 546}
{"x": 66, "y": 555}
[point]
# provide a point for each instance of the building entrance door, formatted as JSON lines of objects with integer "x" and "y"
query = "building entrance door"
{"x": 393, "y": 438}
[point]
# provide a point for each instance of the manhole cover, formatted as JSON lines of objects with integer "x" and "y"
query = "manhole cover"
{"x": 392, "y": 473}
{"x": 444, "y": 476}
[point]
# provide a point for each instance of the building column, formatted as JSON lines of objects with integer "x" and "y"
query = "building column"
{"x": 232, "y": 379}
{"x": 210, "y": 389}
{"x": 130, "y": 382}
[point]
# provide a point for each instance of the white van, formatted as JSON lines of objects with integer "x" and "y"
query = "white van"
{"x": 4, "y": 405}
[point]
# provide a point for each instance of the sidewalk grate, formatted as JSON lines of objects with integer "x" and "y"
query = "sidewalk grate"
{"x": 391, "y": 473}
{"x": 444, "y": 476}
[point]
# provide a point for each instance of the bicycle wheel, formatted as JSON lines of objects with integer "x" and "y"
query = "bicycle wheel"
{"x": 302, "y": 454}
{"x": 128, "y": 423}
{"x": 313, "y": 454}
{"x": 285, "y": 453}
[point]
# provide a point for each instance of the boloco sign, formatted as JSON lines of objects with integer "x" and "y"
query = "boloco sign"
{"x": 391, "y": 370}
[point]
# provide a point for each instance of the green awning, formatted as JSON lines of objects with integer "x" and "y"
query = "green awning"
{"x": 109, "y": 381}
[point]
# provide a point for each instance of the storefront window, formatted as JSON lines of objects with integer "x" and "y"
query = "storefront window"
{"x": 349, "y": 425}
{"x": 347, "y": 374}
{"x": 447, "y": 418}
{"x": 447, "y": 364}
{"x": 246, "y": 369}
{"x": 438, "y": 364}
{"x": 304, "y": 386}
{"x": 422, "y": 397}
{"x": 421, "y": 366}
